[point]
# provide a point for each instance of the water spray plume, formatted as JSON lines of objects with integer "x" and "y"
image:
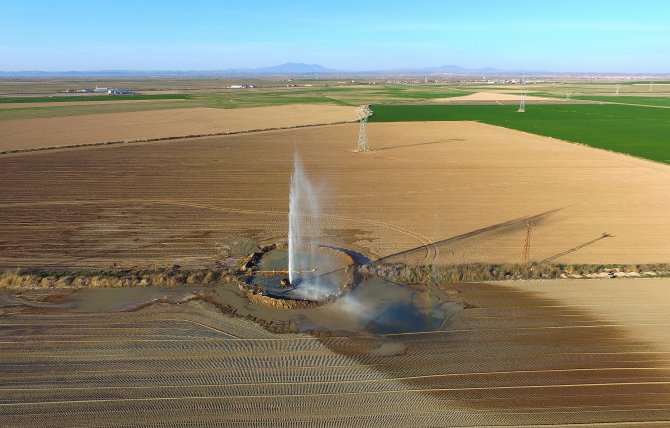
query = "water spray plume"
{"x": 303, "y": 223}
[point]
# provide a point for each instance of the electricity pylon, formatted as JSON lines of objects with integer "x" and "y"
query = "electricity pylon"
{"x": 363, "y": 113}
{"x": 522, "y": 105}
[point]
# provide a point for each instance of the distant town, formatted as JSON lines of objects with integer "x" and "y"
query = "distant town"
{"x": 97, "y": 90}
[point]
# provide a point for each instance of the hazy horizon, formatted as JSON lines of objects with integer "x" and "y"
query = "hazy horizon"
{"x": 577, "y": 37}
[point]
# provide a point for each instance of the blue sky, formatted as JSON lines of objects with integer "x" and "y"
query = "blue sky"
{"x": 558, "y": 35}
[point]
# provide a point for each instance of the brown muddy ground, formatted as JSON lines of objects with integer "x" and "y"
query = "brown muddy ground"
{"x": 463, "y": 185}
{"x": 516, "y": 357}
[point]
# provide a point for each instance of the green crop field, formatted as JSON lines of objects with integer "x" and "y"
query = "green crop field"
{"x": 646, "y": 82}
{"x": 638, "y": 131}
{"x": 647, "y": 101}
{"x": 340, "y": 95}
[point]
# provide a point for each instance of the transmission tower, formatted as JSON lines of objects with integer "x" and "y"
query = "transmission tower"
{"x": 363, "y": 113}
{"x": 651, "y": 86}
{"x": 568, "y": 95}
{"x": 617, "y": 89}
{"x": 526, "y": 244}
{"x": 522, "y": 105}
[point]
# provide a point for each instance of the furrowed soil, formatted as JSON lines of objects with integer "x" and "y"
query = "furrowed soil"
{"x": 519, "y": 353}
{"x": 533, "y": 354}
{"x": 21, "y": 134}
{"x": 466, "y": 186}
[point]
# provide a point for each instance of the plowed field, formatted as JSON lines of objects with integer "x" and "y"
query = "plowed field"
{"x": 516, "y": 357}
{"x": 24, "y": 134}
{"x": 175, "y": 201}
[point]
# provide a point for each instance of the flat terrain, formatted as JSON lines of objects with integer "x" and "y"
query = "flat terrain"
{"x": 127, "y": 126}
{"x": 177, "y": 201}
{"x": 639, "y": 307}
{"x": 83, "y": 98}
{"x": 73, "y": 101}
{"x": 521, "y": 355}
{"x": 491, "y": 97}
{"x": 216, "y": 93}
{"x": 33, "y": 107}
{"x": 652, "y": 101}
{"x": 637, "y": 130}
{"x": 583, "y": 352}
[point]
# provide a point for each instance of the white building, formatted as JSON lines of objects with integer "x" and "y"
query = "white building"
{"x": 115, "y": 91}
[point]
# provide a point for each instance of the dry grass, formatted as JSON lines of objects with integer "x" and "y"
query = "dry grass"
{"x": 476, "y": 272}
{"x": 24, "y": 279}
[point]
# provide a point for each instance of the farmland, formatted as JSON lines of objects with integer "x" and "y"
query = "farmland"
{"x": 64, "y": 99}
{"x": 35, "y": 133}
{"x": 47, "y": 107}
{"x": 643, "y": 101}
{"x": 215, "y": 93}
{"x": 334, "y": 215}
{"x": 638, "y": 131}
{"x": 154, "y": 339}
{"x": 517, "y": 356}
{"x": 119, "y": 204}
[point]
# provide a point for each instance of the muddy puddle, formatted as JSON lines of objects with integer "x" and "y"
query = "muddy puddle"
{"x": 99, "y": 299}
{"x": 375, "y": 306}
{"x": 325, "y": 279}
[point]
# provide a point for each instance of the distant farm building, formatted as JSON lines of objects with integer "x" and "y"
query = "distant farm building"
{"x": 120, "y": 92}
{"x": 100, "y": 89}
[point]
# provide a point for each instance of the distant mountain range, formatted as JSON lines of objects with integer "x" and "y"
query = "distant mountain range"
{"x": 294, "y": 68}
{"x": 289, "y": 69}
{"x": 451, "y": 69}
{"x": 286, "y": 69}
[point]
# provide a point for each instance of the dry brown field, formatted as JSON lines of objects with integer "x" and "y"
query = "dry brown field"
{"x": 491, "y": 96}
{"x": 176, "y": 201}
{"x": 72, "y": 103}
{"x": 638, "y": 307}
{"x": 533, "y": 353}
{"x": 528, "y": 354}
{"x": 34, "y": 133}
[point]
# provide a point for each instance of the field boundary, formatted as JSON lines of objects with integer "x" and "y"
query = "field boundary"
{"x": 600, "y": 126}
{"x": 577, "y": 143}
{"x": 428, "y": 274}
{"x": 174, "y": 137}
